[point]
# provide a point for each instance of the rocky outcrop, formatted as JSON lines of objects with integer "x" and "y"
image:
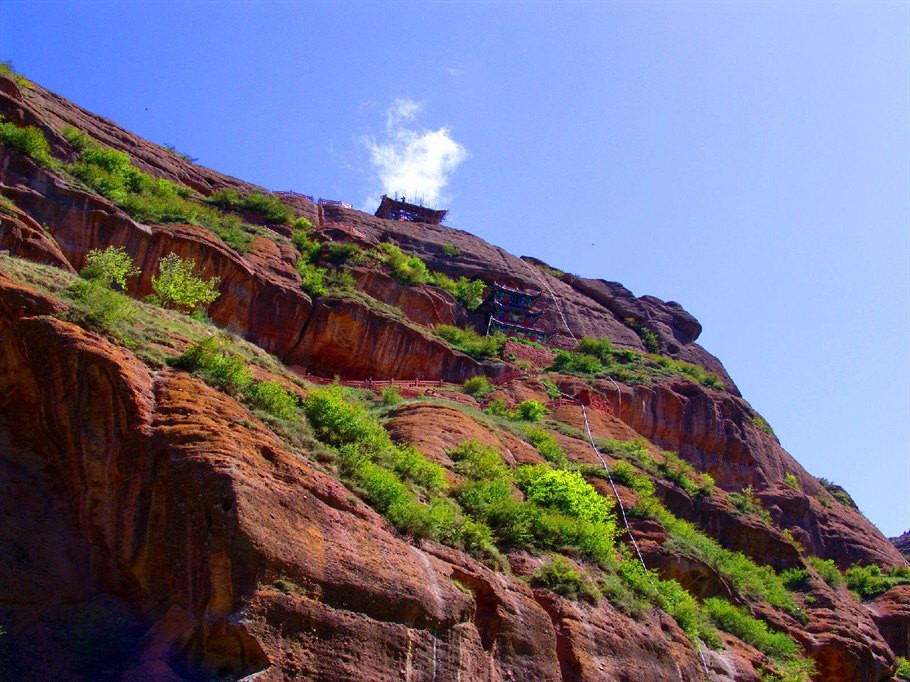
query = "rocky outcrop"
{"x": 891, "y": 612}
{"x": 714, "y": 431}
{"x": 345, "y": 333}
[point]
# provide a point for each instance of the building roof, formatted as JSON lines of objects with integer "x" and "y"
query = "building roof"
{"x": 397, "y": 209}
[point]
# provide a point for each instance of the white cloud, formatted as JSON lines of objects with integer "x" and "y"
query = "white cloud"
{"x": 412, "y": 161}
{"x": 402, "y": 109}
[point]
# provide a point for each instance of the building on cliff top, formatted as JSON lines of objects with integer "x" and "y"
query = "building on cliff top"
{"x": 401, "y": 210}
{"x": 514, "y": 314}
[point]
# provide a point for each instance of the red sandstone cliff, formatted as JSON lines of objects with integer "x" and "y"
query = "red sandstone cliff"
{"x": 154, "y": 528}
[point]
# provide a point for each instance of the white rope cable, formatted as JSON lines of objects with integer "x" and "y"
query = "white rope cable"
{"x": 603, "y": 462}
{"x": 552, "y": 295}
{"x": 622, "y": 508}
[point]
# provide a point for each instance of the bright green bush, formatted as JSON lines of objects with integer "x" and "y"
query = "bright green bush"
{"x": 102, "y": 309}
{"x": 903, "y": 668}
{"x": 565, "y": 491}
{"x": 478, "y": 386}
{"x": 468, "y": 292}
{"x": 312, "y": 278}
{"x": 738, "y": 621}
{"x": 449, "y": 250}
{"x": 547, "y": 446}
{"x": 308, "y": 247}
{"x": 178, "y": 286}
{"x": 762, "y": 425}
{"x": 559, "y": 575}
{"x": 343, "y": 253}
{"x": 791, "y": 480}
{"x": 868, "y": 582}
{"x": 273, "y": 398}
{"x": 530, "y": 410}
{"x": 110, "y": 267}
{"x": 271, "y": 208}
{"x": 597, "y": 357}
{"x": 29, "y": 140}
{"x": 339, "y": 281}
{"x": 405, "y": 269}
{"x": 216, "y": 366}
{"x": 472, "y": 343}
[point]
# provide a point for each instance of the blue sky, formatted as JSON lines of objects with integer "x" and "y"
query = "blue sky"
{"x": 749, "y": 160}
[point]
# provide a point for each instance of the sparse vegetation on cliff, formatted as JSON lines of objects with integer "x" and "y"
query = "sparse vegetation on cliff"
{"x": 269, "y": 206}
{"x": 112, "y": 174}
{"x": 469, "y": 341}
{"x": 214, "y": 362}
{"x": 178, "y": 286}
{"x": 28, "y": 140}
{"x": 598, "y": 358}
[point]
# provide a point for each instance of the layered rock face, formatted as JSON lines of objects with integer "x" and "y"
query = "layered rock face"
{"x": 154, "y": 528}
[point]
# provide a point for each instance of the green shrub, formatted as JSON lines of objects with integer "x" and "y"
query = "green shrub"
{"x": 468, "y": 292}
{"x": 391, "y": 397}
{"x": 405, "y": 269}
{"x": 559, "y": 575}
{"x": 269, "y": 206}
{"x": 868, "y": 582}
{"x": 679, "y": 471}
{"x": 650, "y": 340}
{"x": 746, "y": 503}
{"x": 308, "y": 247}
{"x": 670, "y": 596}
{"x": 177, "y": 285}
{"x": 301, "y": 223}
{"x": 102, "y": 309}
{"x": 577, "y": 363}
{"x": 312, "y": 278}
{"x": 791, "y": 480}
{"x": 339, "y": 281}
{"x": 738, "y": 621}
{"x": 547, "y": 446}
{"x": 623, "y": 473}
{"x": 615, "y": 590}
{"x": 149, "y": 200}
{"x": 552, "y": 389}
{"x": 498, "y": 408}
{"x": 449, "y": 250}
{"x": 29, "y": 140}
{"x": 211, "y": 360}
{"x": 339, "y": 421}
{"x": 6, "y": 69}
{"x": 762, "y": 425}
{"x": 530, "y": 410}
{"x": 478, "y": 386}
{"x": 273, "y": 398}
{"x": 565, "y": 491}
{"x": 795, "y": 578}
{"x": 343, "y": 252}
{"x": 110, "y": 267}
{"x": 472, "y": 343}
{"x": 903, "y": 668}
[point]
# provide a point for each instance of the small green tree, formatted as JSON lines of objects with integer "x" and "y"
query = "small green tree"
{"x": 110, "y": 267}
{"x": 177, "y": 285}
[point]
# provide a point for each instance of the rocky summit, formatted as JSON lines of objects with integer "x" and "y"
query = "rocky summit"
{"x": 254, "y": 435}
